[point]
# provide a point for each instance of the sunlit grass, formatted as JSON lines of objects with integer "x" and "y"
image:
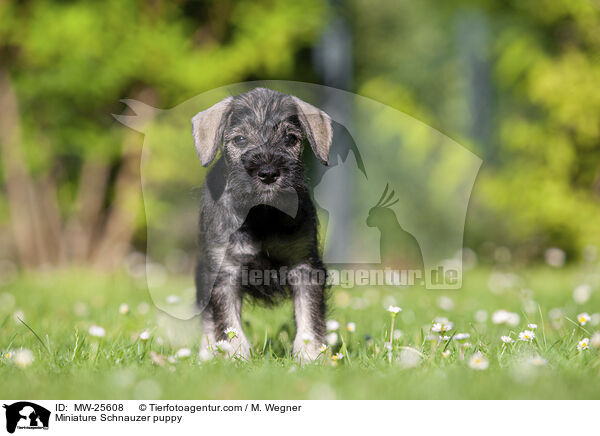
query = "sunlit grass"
{"x": 78, "y": 334}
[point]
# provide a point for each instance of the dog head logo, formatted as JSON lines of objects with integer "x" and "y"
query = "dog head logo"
{"x": 26, "y": 415}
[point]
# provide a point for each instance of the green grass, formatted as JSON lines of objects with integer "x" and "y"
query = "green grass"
{"x": 69, "y": 363}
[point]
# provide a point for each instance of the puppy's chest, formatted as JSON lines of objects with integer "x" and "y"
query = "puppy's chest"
{"x": 274, "y": 236}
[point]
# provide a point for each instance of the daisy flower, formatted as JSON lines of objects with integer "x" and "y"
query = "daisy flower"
{"x": 124, "y": 309}
{"x": 584, "y": 344}
{"x": 394, "y": 310}
{"x": 442, "y": 327}
{"x": 462, "y": 336}
{"x": 23, "y": 358}
{"x": 505, "y": 317}
{"x": 323, "y": 348}
{"x": 223, "y": 347}
{"x": 507, "y": 339}
{"x": 337, "y": 356}
{"x": 231, "y": 332}
{"x": 479, "y": 362}
{"x": 183, "y": 353}
{"x": 583, "y": 318}
{"x": 351, "y": 327}
{"x": 332, "y": 338}
{"x": 145, "y": 335}
{"x": 446, "y": 354}
{"x": 532, "y": 326}
{"x": 97, "y": 331}
{"x": 526, "y": 335}
{"x": 332, "y": 325}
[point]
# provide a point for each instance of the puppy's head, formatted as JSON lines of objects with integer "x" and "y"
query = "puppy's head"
{"x": 262, "y": 133}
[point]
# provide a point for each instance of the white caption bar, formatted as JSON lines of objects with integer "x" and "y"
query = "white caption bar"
{"x": 294, "y": 417}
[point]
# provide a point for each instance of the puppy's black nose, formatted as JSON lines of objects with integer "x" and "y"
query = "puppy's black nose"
{"x": 268, "y": 174}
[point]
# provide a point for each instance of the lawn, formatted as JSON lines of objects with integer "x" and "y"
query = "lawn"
{"x": 69, "y": 362}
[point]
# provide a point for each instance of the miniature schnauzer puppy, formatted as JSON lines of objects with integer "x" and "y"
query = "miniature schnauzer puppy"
{"x": 258, "y": 225}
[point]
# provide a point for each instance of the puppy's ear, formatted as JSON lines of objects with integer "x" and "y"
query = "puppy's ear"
{"x": 207, "y": 130}
{"x": 317, "y": 127}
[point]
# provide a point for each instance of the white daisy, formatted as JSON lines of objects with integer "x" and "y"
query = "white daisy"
{"x": 23, "y": 358}
{"x": 532, "y": 326}
{"x": 442, "y": 327}
{"x": 332, "y": 325}
{"x": 462, "y": 336}
{"x": 351, "y": 327}
{"x": 513, "y": 319}
{"x": 505, "y": 317}
{"x": 323, "y": 348}
{"x": 124, "y": 309}
{"x": 223, "y": 347}
{"x": 394, "y": 310}
{"x": 583, "y": 318}
{"x": 446, "y": 354}
{"x": 478, "y": 361}
{"x": 507, "y": 339}
{"x": 582, "y": 293}
{"x": 145, "y": 335}
{"x": 526, "y": 335}
{"x": 584, "y": 344}
{"x": 231, "y": 332}
{"x": 337, "y": 356}
{"x": 182, "y": 353}
{"x": 97, "y": 331}
{"x": 332, "y": 339}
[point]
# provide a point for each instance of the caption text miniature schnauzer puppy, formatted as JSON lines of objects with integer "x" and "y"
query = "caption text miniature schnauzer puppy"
{"x": 258, "y": 226}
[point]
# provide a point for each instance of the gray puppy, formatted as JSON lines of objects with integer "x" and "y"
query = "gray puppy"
{"x": 258, "y": 226}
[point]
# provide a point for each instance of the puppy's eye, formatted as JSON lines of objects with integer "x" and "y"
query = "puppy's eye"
{"x": 239, "y": 140}
{"x": 291, "y": 139}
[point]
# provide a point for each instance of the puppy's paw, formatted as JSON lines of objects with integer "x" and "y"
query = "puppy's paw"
{"x": 306, "y": 351}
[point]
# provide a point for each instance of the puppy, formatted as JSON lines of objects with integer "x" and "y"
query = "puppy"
{"x": 258, "y": 226}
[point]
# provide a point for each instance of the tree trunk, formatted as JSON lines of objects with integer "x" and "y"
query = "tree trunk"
{"x": 20, "y": 190}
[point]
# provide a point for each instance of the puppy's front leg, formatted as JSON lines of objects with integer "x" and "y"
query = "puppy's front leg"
{"x": 226, "y": 310}
{"x": 307, "y": 284}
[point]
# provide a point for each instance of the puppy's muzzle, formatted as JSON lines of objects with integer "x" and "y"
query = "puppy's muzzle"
{"x": 268, "y": 174}
{"x": 265, "y": 167}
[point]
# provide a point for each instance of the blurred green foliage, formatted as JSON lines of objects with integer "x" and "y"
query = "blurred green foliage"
{"x": 536, "y": 67}
{"x": 71, "y": 62}
{"x": 516, "y": 82}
